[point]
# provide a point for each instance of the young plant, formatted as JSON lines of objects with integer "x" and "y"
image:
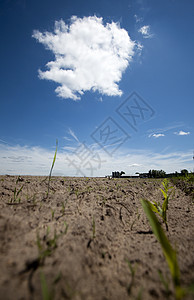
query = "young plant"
{"x": 162, "y": 211}
{"x": 165, "y": 283}
{"x": 104, "y": 201}
{"x": 168, "y": 251}
{"x": 93, "y": 233}
{"x": 132, "y": 270}
{"x": 63, "y": 207}
{"x": 52, "y": 214}
{"x": 77, "y": 193}
{"x": 47, "y": 245}
{"x": 53, "y": 163}
{"x": 137, "y": 215}
{"x": 93, "y": 229}
{"x": 16, "y": 193}
{"x": 46, "y": 294}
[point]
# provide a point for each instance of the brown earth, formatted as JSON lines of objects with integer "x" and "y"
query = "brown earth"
{"x": 87, "y": 229}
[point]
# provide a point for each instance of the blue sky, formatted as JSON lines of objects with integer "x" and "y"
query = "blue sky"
{"x": 73, "y": 70}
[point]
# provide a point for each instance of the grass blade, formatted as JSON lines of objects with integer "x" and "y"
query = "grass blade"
{"x": 54, "y": 159}
{"x": 169, "y": 252}
{"x": 53, "y": 163}
{"x": 45, "y": 291}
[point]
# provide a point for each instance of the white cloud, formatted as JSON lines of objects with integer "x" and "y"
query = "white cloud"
{"x": 88, "y": 56}
{"x": 146, "y": 32}
{"x": 135, "y": 165}
{"x": 2, "y": 141}
{"x": 182, "y": 133}
{"x": 156, "y": 135}
{"x": 72, "y": 133}
{"x": 167, "y": 128}
{"x": 18, "y": 160}
{"x": 138, "y": 19}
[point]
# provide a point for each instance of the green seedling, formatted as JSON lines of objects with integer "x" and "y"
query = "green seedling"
{"x": 77, "y": 193}
{"x": 63, "y": 207}
{"x": 93, "y": 229}
{"x": 47, "y": 245}
{"x": 162, "y": 211}
{"x": 168, "y": 251}
{"x": 46, "y": 294}
{"x": 165, "y": 283}
{"x": 52, "y": 214}
{"x": 66, "y": 228}
{"x": 104, "y": 201}
{"x": 16, "y": 193}
{"x": 137, "y": 216}
{"x": 118, "y": 186}
{"x": 89, "y": 189}
{"x": 139, "y": 296}
{"x": 132, "y": 270}
{"x": 57, "y": 278}
{"x": 93, "y": 233}
{"x": 53, "y": 163}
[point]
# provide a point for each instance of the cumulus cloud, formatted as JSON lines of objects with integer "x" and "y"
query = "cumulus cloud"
{"x": 146, "y": 32}
{"x": 182, "y": 133}
{"x": 156, "y": 135}
{"x": 89, "y": 55}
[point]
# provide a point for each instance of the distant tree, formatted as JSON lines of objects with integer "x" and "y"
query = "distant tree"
{"x": 184, "y": 172}
{"x": 117, "y": 174}
{"x": 162, "y": 174}
{"x": 156, "y": 174}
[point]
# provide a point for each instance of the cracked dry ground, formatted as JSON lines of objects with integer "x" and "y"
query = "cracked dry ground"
{"x": 80, "y": 238}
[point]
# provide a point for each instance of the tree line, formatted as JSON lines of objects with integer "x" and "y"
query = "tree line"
{"x": 162, "y": 174}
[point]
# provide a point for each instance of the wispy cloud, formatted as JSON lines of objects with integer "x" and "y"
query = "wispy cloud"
{"x": 37, "y": 161}
{"x": 181, "y": 132}
{"x": 156, "y": 135}
{"x": 72, "y": 133}
{"x": 88, "y": 56}
{"x": 166, "y": 128}
{"x": 135, "y": 165}
{"x": 138, "y": 19}
{"x": 2, "y": 141}
{"x": 71, "y": 136}
{"x": 146, "y": 32}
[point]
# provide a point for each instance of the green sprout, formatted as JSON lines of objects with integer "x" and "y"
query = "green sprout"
{"x": 168, "y": 251}
{"x": 162, "y": 211}
{"x": 47, "y": 245}
{"x": 137, "y": 215}
{"x": 165, "y": 283}
{"x": 53, "y": 163}
{"x": 93, "y": 229}
{"x": 63, "y": 207}
{"x": 132, "y": 270}
{"x": 16, "y": 193}
{"x": 46, "y": 294}
{"x": 77, "y": 193}
{"x": 52, "y": 214}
